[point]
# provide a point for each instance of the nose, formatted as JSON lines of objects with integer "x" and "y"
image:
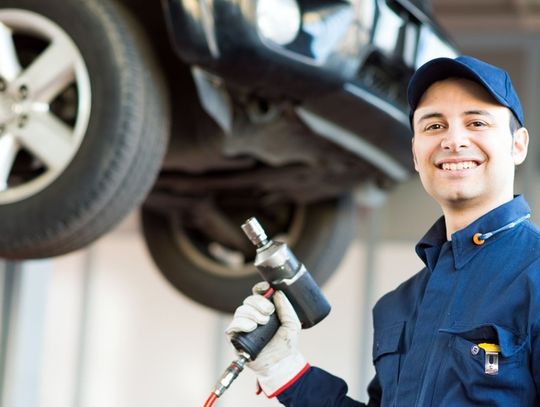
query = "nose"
{"x": 455, "y": 140}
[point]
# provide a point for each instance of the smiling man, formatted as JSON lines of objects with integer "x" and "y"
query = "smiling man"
{"x": 465, "y": 330}
{"x": 466, "y": 143}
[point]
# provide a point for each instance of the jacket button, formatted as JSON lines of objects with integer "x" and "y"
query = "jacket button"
{"x": 475, "y": 349}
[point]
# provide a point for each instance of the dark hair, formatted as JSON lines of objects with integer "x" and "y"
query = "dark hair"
{"x": 514, "y": 123}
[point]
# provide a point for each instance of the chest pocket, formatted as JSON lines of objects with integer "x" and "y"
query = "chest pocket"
{"x": 465, "y": 367}
{"x": 387, "y": 357}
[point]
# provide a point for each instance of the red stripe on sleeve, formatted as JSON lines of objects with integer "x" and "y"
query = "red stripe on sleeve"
{"x": 290, "y": 382}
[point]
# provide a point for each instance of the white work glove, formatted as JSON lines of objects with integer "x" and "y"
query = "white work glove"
{"x": 280, "y": 363}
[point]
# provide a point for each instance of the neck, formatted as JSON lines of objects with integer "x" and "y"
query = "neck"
{"x": 458, "y": 216}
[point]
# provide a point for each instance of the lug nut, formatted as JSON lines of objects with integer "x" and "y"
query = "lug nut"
{"x": 23, "y": 91}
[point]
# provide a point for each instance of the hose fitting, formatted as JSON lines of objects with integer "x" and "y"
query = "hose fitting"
{"x": 231, "y": 373}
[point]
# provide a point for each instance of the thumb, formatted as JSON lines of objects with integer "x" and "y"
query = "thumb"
{"x": 260, "y": 288}
{"x": 285, "y": 311}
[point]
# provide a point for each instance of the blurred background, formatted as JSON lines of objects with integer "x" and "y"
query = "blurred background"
{"x": 101, "y": 327}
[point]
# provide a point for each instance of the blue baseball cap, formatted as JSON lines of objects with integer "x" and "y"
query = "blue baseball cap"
{"x": 495, "y": 80}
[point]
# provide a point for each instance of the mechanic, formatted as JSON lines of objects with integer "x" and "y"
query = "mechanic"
{"x": 465, "y": 330}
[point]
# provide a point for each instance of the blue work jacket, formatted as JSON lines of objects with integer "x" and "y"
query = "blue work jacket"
{"x": 464, "y": 331}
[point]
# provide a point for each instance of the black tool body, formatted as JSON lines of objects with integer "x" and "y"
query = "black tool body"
{"x": 281, "y": 269}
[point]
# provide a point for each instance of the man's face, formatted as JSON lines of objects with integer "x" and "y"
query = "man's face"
{"x": 463, "y": 148}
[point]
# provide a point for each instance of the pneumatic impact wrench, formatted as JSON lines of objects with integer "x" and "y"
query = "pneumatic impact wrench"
{"x": 282, "y": 270}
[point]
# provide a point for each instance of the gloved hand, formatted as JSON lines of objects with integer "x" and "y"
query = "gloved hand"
{"x": 280, "y": 363}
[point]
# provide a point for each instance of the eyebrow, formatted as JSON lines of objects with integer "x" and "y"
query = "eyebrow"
{"x": 478, "y": 113}
{"x": 429, "y": 116}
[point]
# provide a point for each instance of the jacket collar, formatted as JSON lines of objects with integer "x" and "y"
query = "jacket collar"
{"x": 429, "y": 247}
{"x": 463, "y": 247}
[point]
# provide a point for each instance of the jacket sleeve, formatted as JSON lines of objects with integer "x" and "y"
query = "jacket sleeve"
{"x": 317, "y": 388}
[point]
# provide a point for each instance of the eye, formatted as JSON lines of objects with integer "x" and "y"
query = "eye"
{"x": 477, "y": 123}
{"x": 433, "y": 127}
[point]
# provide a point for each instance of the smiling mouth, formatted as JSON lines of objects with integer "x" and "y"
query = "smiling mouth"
{"x": 462, "y": 165}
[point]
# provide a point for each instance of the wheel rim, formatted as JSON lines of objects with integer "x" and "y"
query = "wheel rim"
{"x": 217, "y": 261}
{"x": 45, "y": 102}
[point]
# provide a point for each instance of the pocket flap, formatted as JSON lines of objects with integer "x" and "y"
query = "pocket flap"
{"x": 388, "y": 339}
{"x": 508, "y": 341}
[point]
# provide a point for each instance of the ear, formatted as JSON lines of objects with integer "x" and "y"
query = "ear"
{"x": 414, "y": 155}
{"x": 520, "y": 143}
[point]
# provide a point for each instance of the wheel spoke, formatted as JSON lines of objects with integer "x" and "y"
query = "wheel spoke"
{"x": 47, "y": 138}
{"x": 8, "y": 151}
{"x": 50, "y": 73}
{"x": 9, "y": 62}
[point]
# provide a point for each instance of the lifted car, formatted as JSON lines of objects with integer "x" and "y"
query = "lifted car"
{"x": 210, "y": 112}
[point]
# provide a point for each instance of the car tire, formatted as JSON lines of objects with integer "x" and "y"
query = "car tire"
{"x": 324, "y": 231}
{"x": 123, "y": 139}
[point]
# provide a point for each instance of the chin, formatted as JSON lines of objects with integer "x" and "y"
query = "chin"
{"x": 457, "y": 198}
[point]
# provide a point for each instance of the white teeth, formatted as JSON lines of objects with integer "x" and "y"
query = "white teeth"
{"x": 462, "y": 165}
